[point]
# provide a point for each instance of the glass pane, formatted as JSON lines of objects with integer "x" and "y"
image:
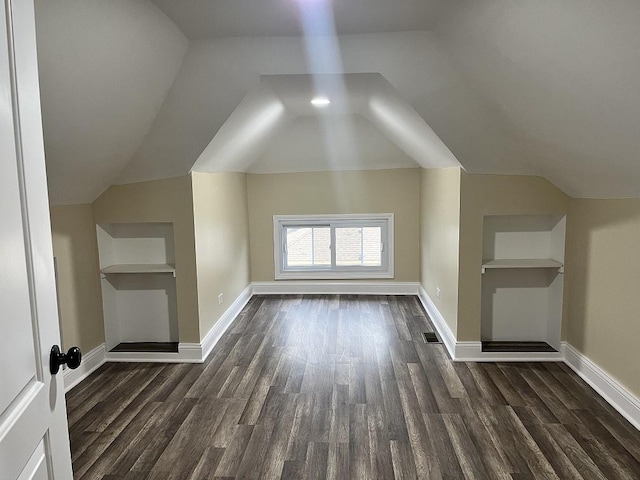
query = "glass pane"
{"x": 359, "y": 246}
{"x": 308, "y": 246}
{"x": 371, "y": 246}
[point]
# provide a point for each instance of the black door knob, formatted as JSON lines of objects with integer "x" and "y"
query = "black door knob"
{"x": 72, "y": 358}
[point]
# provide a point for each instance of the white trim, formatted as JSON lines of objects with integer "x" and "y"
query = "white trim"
{"x": 604, "y": 384}
{"x": 319, "y": 287}
{"x": 439, "y": 323}
{"x": 627, "y": 404}
{"x": 91, "y": 361}
{"x": 190, "y": 352}
{"x": 467, "y": 350}
{"x": 472, "y": 352}
{"x": 224, "y": 322}
{"x": 333, "y": 274}
{"x": 187, "y": 353}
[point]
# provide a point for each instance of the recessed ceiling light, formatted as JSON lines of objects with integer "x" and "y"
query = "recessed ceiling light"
{"x": 320, "y": 102}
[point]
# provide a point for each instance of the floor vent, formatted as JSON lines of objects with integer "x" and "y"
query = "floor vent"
{"x": 430, "y": 337}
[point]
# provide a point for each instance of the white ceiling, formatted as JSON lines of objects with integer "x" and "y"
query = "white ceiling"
{"x": 216, "y": 75}
{"x": 565, "y": 76}
{"x": 105, "y": 70}
{"x": 546, "y": 87}
{"x": 355, "y": 144}
{"x": 366, "y": 125}
{"x": 200, "y": 19}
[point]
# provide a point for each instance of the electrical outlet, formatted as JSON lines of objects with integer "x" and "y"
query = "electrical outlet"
{"x": 220, "y": 298}
{"x": 438, "y": 292}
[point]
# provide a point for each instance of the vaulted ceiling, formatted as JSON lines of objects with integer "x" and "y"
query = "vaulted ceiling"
{"x": 135, "y": 90}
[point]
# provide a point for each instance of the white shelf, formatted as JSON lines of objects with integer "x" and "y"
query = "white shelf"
{"x": 522, "y": 263}
{"x": 140, "y": 268}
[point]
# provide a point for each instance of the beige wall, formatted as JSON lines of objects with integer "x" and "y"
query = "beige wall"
{"x": 79, "y": 295}
{"x": 493, "y": 195}
{"x": 222, "y": 242}
{"x": 167, "y": 200}
{"x": 603, "y": 279}
{"x": 434, "y": 209}
{"x": 369, "y": 191}
{"x": 439, "y": 239}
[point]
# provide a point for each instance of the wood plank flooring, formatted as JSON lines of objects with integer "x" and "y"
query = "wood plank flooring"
{"x": 343, "y": 387}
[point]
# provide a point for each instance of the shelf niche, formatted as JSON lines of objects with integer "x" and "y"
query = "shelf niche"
{"x": 137, "y": 265}
{"x": 522, "y": 281}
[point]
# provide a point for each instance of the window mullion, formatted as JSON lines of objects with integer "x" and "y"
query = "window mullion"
{"x": 333, "y": 246}
{"x": 284, "y": 260}
{"x": 313, "y": 244}
{"x": 362, "y": 245}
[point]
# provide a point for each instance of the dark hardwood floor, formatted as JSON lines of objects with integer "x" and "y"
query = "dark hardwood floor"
{"x": 343, "y": 387}
{"x": 165, "y": 347}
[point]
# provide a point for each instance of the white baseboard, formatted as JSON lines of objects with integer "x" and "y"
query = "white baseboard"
{"x": 187, "y": 353}
{"x": 319, "y": 287}
{"x": 627, "y": 404}
{"x": 198, "y": 352}
{"x": 190, "y": 352}
{"x": 224, "y": 322}
{"x": 440, "y": 324}
{"x": 91, "y": 361}
{"x": 472, "y": 352}
{"x": 610, "y": 389}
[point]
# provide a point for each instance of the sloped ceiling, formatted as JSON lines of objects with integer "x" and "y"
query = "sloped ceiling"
{"x": 363, "y": 111}
{"x": 216, "y": 75}
{"x": 546, "y": 88}
{"x": 355, "y": 143}
{"x": 105, "y": 70}
{"x": 565, "y": 76}
{"x": 200, "y": 19}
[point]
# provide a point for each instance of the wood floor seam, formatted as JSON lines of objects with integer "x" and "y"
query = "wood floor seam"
{"x": 343, "y": 387}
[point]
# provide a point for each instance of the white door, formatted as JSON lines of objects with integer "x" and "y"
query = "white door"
{"x": 34, "y": 440}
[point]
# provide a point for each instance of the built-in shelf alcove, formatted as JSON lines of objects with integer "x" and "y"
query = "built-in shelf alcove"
{"x": 137, "y": 266}
{"x": 522, "y": 281}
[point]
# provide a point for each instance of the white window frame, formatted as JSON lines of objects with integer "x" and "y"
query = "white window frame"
{"x": 382, "y": 220}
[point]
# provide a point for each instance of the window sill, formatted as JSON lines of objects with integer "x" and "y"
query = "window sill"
{"x": 333, "y": 275}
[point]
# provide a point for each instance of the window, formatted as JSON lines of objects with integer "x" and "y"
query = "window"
{"x": 333, "y": 246}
